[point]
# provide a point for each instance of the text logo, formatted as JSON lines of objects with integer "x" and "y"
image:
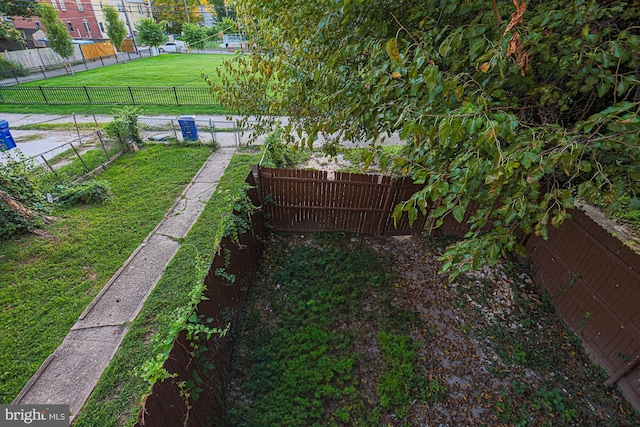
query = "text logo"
{"x": 34, "y": 415}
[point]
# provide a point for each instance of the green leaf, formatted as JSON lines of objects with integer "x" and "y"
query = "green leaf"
{"x": 458, "y": 213}
{"x": 392, "y": 49}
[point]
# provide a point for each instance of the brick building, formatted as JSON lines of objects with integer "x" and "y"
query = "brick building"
{"x": 78, "y": 15}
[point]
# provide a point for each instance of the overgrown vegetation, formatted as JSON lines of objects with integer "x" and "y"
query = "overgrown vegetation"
{"x": 275, "y": 153}
{"x": 18, "y": 186}
{"x": 47, "y": 281}
{"x": 10, "y": 69}
{"x": 348, "y": 330}
{"x": 116, "y": 399}
{"x": 83, "y": 193}
{"x": 302, "y": 348}
{"x": 124, "y": 126}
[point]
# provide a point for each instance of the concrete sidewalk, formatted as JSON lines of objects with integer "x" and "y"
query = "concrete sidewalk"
{"x": 69, "y": 375}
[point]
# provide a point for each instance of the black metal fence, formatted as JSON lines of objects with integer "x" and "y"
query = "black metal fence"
{"x": 106, "y": 95}
{"x": 28, "y": 74}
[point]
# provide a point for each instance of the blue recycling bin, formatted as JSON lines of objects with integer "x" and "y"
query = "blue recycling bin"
{"x": 6, "y": 140}
{"x": 188, "y": 128}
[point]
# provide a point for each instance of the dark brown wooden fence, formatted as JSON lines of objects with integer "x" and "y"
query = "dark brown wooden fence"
{"x": 593, "y": 281}
{"x": 307, "y": 201}
{"x": 166, "y": 405}
{"x": 592, "y": 278}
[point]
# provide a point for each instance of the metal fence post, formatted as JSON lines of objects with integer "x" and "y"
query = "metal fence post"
{"x": 102, "y": 143}
{"x": 46, "y": 101}
{"x": 173, "y": 127}
{"x": 77, "y": 128}
{"x": 52, "y": 170}
{"x": 80, "y": 157}
{"x": 175, "y": 93}
{"x": 213, "y": 134}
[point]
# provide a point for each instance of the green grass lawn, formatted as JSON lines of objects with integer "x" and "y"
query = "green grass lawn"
{"x": 160, "y": 71}
{"x": 116, "y": 399}
{"x": 46, "y": 282}
{"x": 163, "y": 70}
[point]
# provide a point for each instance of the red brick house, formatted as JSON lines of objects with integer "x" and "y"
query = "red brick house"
{"x": 78, "y": 15}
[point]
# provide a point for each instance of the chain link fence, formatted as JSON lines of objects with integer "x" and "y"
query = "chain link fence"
{"x": 75, "y": 159}
{"x": 221, "y": 133}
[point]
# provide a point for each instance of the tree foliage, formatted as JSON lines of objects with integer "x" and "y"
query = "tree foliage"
{"x": 116, "y": 29}
{"x": 57, "y": 33}
{"x": 174, "y": 13}
{"x": 24, "y": 8}
{"x": 509, "y": 111}
{"x": 150, "y": 32}
{"x": 9, "y": 8}
{"x": 194, "y": 35}
{"x": 223, "y": 10}
{"x": 9, "y": 32}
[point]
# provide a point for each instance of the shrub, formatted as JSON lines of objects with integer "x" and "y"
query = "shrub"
{"x": 17, "y": 183}
{"x": 125, "y": 126}
{"x": 11, "y": 69}
{"x": 275, "y": 153}
{"x": 87, "y": 192}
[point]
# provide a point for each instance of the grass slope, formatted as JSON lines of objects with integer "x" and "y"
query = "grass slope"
{"x": 116, "y": 399}
{"x": 46, "y": 282}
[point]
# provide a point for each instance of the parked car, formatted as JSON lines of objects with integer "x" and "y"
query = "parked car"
{"x": 173, "y": 47}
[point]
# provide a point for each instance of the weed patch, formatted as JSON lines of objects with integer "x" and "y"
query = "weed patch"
{"x": 343, "y": 330}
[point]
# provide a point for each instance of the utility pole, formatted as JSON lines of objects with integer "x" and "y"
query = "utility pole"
{"x": 149, "y": 8}
{"x": 133, "y": 36}
{"x": 186, "y": 11}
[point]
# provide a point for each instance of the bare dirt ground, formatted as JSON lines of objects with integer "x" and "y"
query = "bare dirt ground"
{"x": 497, "y": 347}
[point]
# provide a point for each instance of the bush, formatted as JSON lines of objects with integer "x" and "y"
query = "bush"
{"x": 11, "y": 69}
{"x": 16, "y": 181}
{"x": 275, "y": 153}
{"x": 125, "y": 126}
{"x": 87, "y": 192}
